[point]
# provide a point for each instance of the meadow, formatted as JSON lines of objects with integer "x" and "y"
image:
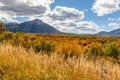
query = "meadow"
{"x": 58, "y": 57}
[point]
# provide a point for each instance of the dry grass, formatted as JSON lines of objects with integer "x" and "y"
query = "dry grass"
{"x": 17, "y": 64}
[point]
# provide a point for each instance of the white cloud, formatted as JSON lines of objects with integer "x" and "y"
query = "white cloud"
{"x": 64, "y": 19}
{"x": 23, "y": 8}
{"x": 114, "y": 19}
{"x": 1, "y": 4}
{"x": 111, "y": 19}
{"x": 69, "y": 20}
{"x": 71, "y": 24}
{"x": 114, "y": 25}
{"x": 65, "y": 13}
{"x": 78, "y": 27}
{"x": 103, "y": 7}
{"x": 64, "y": 26}
{"x": 87, "y": 27}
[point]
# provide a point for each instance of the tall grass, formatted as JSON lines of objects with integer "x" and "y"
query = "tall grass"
{"x": 18, "y": 64}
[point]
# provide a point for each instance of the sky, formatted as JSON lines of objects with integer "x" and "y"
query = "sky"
{"x": 70, "y": 16}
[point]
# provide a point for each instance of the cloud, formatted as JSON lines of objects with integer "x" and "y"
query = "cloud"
{"x": 78, "y": 27}
{"x": 114, "y": 25}
{"x": 103, "y": 7}
{"x": 87, "y": 27}
{"x": 114, "y": 19}
{"x": 20, "y": 10}
{"x": 63, "y": 18}
{"x": 75, "y": 27}
{"x": 69, "y": 20}
{"x": 65, "y": 13}
{"x": 23, "y": 8}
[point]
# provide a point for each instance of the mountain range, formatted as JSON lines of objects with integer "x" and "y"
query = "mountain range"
{"x": 38, "y": 26}
{"x": 34, "y": 26}
{"x": 113, "y": 32}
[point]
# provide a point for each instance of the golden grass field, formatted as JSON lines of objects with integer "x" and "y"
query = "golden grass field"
{"x": 18, "y": 64}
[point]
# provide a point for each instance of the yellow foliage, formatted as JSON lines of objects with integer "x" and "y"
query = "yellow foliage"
{"x": 69, "y": 49}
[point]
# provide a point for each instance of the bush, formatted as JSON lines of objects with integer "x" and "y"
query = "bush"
{"x": 94, "y": 50}
{"x": 46, "y": 46}
{"x": 2, "y": 38}
{"x": 69, "y": 49}
{"x": 113, "y": 50}
{"x": 8, "y": 35}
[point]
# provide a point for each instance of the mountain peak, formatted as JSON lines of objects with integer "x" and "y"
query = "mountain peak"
{"x": 34, "y": 26}
{"x": 36, "y": 20}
